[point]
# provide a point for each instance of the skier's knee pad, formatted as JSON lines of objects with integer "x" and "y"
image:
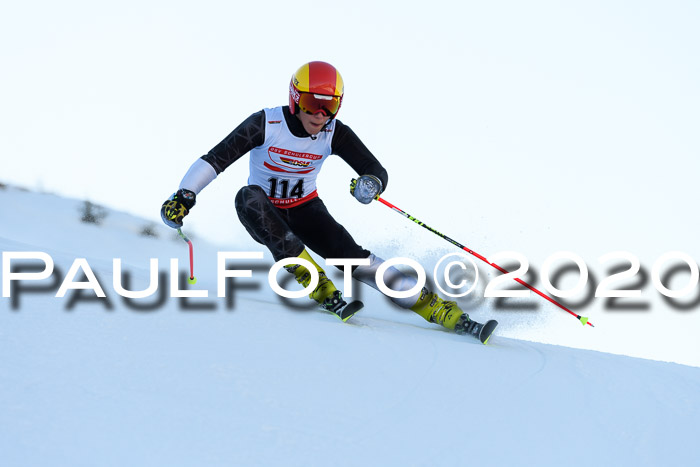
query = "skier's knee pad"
{"x": 262, "y": 221}
{"x": 250, "y": 199}
{"x": 393, "y": 278}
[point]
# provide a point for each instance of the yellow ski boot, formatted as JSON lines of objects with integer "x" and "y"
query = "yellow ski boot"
{"x": 448, "y": 314}
{"x": 325, "y": 294}
{"x": 436, "y": 310}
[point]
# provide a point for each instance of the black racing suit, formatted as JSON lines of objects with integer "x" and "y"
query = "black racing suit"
{"x": 285, "y": 231}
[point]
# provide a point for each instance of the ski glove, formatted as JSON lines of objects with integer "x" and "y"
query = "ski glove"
{"x": 366, "y": 188}
{"x": 177, "y": 207}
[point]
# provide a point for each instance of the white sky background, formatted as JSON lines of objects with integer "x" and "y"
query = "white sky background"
{"x": 527, "y": 126}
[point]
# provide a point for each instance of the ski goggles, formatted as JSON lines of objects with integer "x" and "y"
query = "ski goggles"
{"x": 315, "y": 103}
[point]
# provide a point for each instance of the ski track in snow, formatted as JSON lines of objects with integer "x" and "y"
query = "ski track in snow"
{"x": 264, "y": 383}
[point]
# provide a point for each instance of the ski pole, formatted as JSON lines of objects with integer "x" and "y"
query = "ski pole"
{"x": 583, "y": 319}
{"x": 191, "y": 279}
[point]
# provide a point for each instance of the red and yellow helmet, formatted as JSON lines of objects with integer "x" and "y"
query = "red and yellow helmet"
{"x": 316, "y": 87}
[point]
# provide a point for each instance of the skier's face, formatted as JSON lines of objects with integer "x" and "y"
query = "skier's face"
{"x": 312, "y": 123}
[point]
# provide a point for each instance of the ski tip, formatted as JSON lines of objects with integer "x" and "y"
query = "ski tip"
{"x": 350, "y": 310}
{"x": 487, "y": 331}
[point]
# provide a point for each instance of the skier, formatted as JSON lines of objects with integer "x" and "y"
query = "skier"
{"x": 280, "y": 207}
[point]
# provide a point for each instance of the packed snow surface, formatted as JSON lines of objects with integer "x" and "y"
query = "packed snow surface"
{"x": 252, "y": 379}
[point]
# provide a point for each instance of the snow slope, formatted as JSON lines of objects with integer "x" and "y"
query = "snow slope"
{"x": 254, "y": 380}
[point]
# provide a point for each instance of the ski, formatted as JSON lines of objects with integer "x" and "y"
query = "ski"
{"x": 338, "y": 306}
{"x": 486, "y": 331}
{"x": 483, "y": 332}
{"x": 347, "y": 312}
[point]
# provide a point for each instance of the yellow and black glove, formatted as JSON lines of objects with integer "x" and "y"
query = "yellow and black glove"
{"x": 177, "y": 207}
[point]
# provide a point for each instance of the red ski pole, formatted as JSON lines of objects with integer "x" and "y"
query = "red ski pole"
{"x": 583, "y": 319}
{"x": 191, "y": 279}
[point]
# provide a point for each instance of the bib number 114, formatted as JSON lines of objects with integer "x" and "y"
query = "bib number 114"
{"x": 297, "y": 189}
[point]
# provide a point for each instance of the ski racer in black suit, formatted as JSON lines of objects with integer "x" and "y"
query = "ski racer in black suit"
{"x": 280, "y": 207}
